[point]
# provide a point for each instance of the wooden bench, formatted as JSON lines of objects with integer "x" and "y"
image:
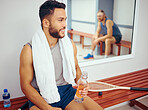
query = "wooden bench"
{"x": 109, "y": 98}
{"x": 81, "y": 34}
{"x": 16, "y": 103}
{"x": 123, "y": 43}
{"x": 134, "y": 79}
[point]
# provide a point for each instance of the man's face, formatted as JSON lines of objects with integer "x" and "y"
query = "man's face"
{"x": 100, "y": 16}
{"x": 58, "y": 23}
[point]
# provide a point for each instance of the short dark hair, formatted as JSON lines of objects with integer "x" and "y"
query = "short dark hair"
{"x": 101, "y": 11}
{"x": 47, "y": 8}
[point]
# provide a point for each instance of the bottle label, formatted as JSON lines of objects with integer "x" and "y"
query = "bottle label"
{"x": 6, "y": 96}
{"x": 80, "y": 87}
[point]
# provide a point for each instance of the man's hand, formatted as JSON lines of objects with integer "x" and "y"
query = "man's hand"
{"x": 94, "y": 37}
{"x": 84, "y": 92}
{"x": 95, "y": 42}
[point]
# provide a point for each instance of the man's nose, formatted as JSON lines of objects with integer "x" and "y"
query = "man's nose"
{"x": 64, "y": 24}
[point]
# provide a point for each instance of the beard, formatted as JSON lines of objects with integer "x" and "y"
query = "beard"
{"x": 100, "y": 20}
{"x": 55, "y": 33}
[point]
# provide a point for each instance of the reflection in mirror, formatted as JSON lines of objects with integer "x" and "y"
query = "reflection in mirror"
{"x": 82, "y": 18}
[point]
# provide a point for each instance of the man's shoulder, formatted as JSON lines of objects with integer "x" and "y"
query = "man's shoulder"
{"x": 26, "y": 55}
{"x": 109, "y": 21}
{"x": 26, "y": 50}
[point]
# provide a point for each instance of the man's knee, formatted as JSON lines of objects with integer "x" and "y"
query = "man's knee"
{"x": 90, "y": 104}
{"x": 109, "y": 41}
{"x": 87, "y": 104}
{"x": 74, "y": 106}
{"x": 34, "y": 108}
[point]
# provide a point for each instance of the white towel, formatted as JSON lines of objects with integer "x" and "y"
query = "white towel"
{"x": 44, "y": 66}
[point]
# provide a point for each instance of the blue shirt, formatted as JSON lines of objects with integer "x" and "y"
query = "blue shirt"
{"x": 116, "y": 31}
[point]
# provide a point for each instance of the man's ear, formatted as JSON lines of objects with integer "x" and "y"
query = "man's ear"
{"x": 45, "y": 23}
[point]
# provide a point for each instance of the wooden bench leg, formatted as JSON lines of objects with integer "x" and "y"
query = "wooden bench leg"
{"x": 119, "y": 48}
{"x": 101, "y": 48}
{"x": 82, "y": 41}
{"x": 111, "y": 49}
{"x": 129, "y": 51}
{"x": 135, "y": 102}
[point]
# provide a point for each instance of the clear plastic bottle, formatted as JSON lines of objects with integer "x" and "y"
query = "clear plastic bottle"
{"x": 6, "y": 98}
{"x": 82, "y": 83}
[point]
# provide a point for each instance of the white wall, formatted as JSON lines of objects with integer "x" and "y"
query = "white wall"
{"x": 83, "y": 11}
{"x": 123, "y": 14}
{"x": 18, "y": 27}
{"x": 18, "y": 22}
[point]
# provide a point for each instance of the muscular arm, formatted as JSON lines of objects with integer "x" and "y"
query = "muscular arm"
{"x": 109, "y": 25}
{"x": 26, "y": 76}
{"x": 78, "y": 71}
{"x": 84, "y": 92}
{"x": 98, "y": 30}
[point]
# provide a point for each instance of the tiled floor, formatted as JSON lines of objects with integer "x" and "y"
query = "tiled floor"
{"x": 127, "y": 107}
{"x": 83, "y": 52}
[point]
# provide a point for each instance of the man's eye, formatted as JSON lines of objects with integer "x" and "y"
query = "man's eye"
{"x": 60, "y": 20}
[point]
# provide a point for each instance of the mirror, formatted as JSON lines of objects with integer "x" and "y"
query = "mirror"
{"x": 82, "y": 17}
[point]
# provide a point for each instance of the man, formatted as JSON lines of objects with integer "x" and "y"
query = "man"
{"x": 53, "y": 21}
{"x": 110, "y": 34}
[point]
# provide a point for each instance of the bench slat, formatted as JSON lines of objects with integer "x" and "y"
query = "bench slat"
{"x": 15, "y": 103}
{"x": 126, "y": 75}
{"x": 114, "y": 92}
{"x": 121, "y": 96}
{"x": 80, "y": 33}
{"x": 134, "y": 79}
{"x": 125, "y": 43}
{"x": 129, "y": 80}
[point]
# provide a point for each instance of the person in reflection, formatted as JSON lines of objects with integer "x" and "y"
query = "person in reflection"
{"x": 49, "y": 66}
{"x": 107, "y": 31}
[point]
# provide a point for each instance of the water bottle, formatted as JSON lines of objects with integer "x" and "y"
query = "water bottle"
{"x": 6, "y": 98}
{"x": 82, "y": 83}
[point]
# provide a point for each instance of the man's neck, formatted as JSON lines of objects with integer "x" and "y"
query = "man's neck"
{"x": 103, "y": 22}
{"x": 51, "y": 40}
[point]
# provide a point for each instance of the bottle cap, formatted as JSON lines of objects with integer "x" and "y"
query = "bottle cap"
{"x": 5, "y": 90}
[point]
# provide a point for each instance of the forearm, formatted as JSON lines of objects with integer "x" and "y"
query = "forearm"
{"x": 107, "y": 36}
{"x": 97, "y": 34}
{"x": 33, "y": 95}
{"x": 102, "y": 38}
{"x": 78, "y": 73}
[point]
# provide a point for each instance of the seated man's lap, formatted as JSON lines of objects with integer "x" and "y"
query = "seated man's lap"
{"x": 67, "y": 93}
{"x": 118, "y": 39}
